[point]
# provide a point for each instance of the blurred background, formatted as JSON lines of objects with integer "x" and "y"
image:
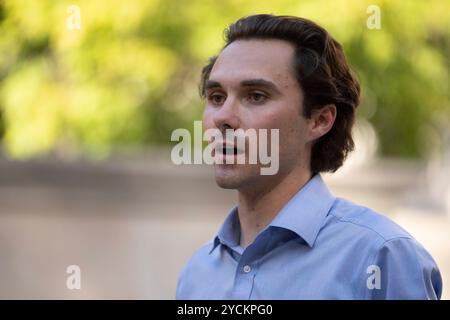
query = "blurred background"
{"x": 90, "y": 92}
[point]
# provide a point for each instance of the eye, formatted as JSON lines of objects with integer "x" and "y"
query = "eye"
{"x": 257, "y": 97}
{"x": 216, "y": 98}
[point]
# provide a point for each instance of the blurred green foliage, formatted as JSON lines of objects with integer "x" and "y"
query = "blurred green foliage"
{"x": 129, "y": 76}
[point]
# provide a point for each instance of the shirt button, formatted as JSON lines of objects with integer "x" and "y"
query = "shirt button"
{"x": 247, "y": 268}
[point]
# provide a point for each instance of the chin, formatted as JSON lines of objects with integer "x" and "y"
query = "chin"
{"x": 236, "y": 176}
{"x": 228, "y": 176}
{"x": 226, "y": 183}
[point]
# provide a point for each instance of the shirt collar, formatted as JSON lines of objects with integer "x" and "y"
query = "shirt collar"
{"x": 230, "y": 231}
{"x": 304, "y": 214}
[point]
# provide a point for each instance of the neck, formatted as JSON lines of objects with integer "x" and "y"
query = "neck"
{"x": 257, "y": 208}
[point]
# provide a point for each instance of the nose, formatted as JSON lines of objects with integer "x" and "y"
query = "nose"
{"x": 227, "y": 116}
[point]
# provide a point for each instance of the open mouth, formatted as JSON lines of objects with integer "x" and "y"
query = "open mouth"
{"x": 228, "y": 149}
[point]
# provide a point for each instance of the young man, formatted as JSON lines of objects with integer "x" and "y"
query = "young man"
{"x": 289, "y": 237}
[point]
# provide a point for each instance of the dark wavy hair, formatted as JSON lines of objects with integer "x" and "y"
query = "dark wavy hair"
{"x": 322, "y": 71}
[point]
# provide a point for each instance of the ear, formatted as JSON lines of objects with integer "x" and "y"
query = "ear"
{"x": 321, "y": 121}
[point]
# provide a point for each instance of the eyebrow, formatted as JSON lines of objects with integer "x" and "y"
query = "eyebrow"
{"x": 212, "y": 84}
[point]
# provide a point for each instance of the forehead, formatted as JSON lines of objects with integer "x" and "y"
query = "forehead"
{"x": 266, "y": 59}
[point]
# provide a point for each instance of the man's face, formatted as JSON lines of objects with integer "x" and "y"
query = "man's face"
{"x": 252, "y": 85}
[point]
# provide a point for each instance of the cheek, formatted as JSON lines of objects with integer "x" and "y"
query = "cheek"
{"x": 287, "y": 122}
{"x": 271, "y": 117}
{"x": 292, "y": 131}
{"x": 207, "y": 119}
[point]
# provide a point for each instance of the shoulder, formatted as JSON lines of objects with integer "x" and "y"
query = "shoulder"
{"x": 192, "y": 270}
{"x": 199, "y": 256}
{"x": 362, "y": 220}
{"x": 401, "y": 260}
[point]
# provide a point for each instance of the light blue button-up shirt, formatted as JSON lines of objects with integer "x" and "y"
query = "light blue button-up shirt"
{"x": 317, "y": 247}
